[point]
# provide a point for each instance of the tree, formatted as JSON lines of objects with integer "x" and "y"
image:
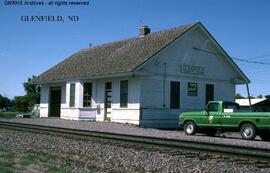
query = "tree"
{"x": 23, "y": 103}
{"x": 260, "y": 96}
{"x": 251, "y": 97}
{"x": 31, "y": 88}
{"x": 267, "y": 96}
{"x": 32, "y": 92}
{"x": 239, "y": 96}
{"x": 4, "y": 102}
{"x": 20, "y": 103}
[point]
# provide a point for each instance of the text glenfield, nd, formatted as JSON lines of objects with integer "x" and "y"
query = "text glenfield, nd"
{"x": 49, "y": 18}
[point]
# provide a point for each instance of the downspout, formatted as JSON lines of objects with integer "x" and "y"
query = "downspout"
{"x": 250, "y": 109}
{"x": 164, "y": 82}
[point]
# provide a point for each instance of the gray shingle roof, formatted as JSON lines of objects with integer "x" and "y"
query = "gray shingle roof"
{"x": 111, "y": 58}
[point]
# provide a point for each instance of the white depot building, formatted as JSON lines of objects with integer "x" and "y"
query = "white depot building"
{"x": 146, "y": 80}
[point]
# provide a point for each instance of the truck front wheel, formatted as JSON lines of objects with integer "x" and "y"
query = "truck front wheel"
{"x": 248, "y": 131}
{"x": 190, "y": 128}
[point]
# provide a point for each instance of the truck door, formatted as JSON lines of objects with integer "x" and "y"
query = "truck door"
{"x": 212, "y": 116}
{"x": 228, "y": 119}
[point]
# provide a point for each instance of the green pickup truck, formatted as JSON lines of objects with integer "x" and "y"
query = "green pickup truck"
{"x": 226, "y": 116}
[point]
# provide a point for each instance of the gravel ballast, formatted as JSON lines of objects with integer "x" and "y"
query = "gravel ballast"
{"x": 227, "y": 138}
{"x": 96, "y": 155}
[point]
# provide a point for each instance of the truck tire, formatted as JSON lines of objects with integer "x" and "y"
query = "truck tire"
{"x": 190, "y": 128}
{"x": 248, "y": 131}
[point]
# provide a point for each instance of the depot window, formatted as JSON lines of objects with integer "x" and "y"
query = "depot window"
{"x": 87, "y": 94}
{"x": 72, "y": 95}
{"x": 123, "y": 93}
{"x": 192, "y": 89}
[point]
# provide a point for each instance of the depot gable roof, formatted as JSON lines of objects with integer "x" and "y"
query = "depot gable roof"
{"x": 113, "y": 58}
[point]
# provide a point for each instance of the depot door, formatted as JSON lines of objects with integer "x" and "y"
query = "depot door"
{"x": 209, "y": 93}
{"x": 55, "y": 101}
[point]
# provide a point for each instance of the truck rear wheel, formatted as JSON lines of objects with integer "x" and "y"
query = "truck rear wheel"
{"x": 190, "y": 128}
{"x": 248, "y": 131}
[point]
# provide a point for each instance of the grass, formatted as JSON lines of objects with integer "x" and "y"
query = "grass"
{"x": 30, "y": 158}
{"x": 46, "y": 163}
{"x": 7, "y": 161}
{"x": 11, "y": 162}
{"x": 8, "y": 114}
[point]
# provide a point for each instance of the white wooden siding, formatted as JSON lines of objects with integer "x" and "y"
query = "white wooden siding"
{"x": 44, "y": 100}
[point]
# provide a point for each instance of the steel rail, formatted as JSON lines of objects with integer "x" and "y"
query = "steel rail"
{"x": 228, "y": 149}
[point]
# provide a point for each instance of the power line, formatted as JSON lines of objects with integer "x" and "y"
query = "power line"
{"x": 237, "y": 59}
{"x": 249, "y": 61}
{"x": 260, "y": 57}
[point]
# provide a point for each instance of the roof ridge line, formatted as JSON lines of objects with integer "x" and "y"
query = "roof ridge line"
{"x": 137, "y": 37}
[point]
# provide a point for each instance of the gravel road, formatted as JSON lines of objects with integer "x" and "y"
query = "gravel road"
{"x": 96, "y": 155}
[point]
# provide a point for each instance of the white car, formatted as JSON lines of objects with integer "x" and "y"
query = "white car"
{"x": 33, "y": 113}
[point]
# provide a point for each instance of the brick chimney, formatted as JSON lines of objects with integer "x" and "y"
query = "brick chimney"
{"x": 144, "y": 30}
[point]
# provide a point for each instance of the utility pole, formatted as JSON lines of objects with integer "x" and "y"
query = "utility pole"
{"x": 250, "y": 109}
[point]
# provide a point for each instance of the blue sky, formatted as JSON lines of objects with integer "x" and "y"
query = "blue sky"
{"x": 29, "y": 48}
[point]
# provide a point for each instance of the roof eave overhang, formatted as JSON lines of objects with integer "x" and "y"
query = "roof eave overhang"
{"x": 95, "y": 77}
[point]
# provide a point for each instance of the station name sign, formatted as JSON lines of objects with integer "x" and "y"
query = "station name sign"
{"x": 188, "y": 69}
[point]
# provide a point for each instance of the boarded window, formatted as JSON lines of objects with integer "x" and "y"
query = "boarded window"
{"x": 87, "y": 94}
{"x": 192, "y": 89}
{"x": 123, "y": 93}
{"x": 175, "y": 95}
{"x": 72, "y": 95}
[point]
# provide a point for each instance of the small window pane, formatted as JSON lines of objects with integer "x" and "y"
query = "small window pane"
{"x": 192, "y": 89}
{"x": 123, "y": 93}
{"x": 72, "y": 95}
{"x": 87, "y": 94}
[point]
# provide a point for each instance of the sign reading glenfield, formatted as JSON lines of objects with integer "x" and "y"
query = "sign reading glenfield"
{"x": 198, "y": 70}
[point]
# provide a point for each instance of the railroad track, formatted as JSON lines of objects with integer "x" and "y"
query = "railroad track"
{"x": 239, "y": 151}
